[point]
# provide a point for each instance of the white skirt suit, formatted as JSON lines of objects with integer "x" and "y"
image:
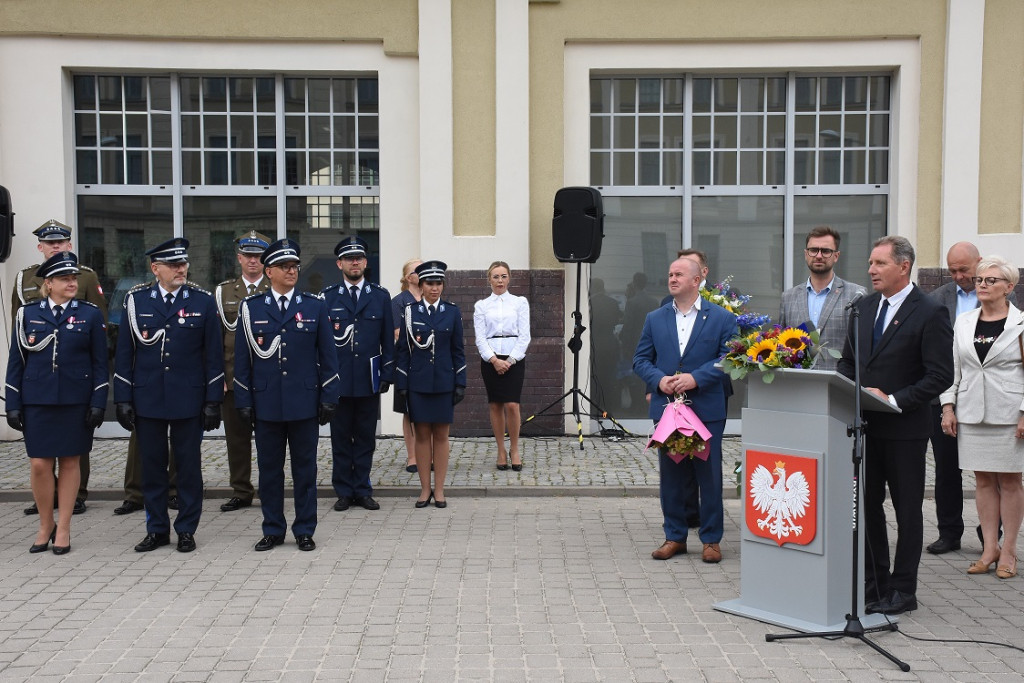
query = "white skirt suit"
{"x": 988, "y": 397}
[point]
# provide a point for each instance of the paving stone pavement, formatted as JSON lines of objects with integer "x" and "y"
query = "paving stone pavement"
{"x": 508, "y": 587}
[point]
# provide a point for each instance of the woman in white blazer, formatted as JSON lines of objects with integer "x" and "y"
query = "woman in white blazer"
{"x": 984, "y": 409}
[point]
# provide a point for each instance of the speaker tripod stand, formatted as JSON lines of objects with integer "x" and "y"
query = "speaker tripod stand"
{"x": 575, "y": 344}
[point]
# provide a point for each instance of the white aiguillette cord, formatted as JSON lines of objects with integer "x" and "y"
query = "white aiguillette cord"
{"x": 243, "y": 309}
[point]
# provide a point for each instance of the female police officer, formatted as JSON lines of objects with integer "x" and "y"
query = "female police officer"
{"x": 57, "y": 382}
{"x": 430, "y": 364}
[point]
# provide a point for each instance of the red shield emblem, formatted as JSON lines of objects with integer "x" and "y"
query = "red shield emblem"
{"x": 31, "y": 339}
{"x": 259, "y": 341}
{"x": 145, "y": 334}
{"x": 780, "y": 495}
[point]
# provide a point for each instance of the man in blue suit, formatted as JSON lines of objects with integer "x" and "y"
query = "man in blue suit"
{"x": 679, "y": 346}
{"x": 286, "y": 383}
{"x": 364, "y": 338}
{"x": 169, "y": 377}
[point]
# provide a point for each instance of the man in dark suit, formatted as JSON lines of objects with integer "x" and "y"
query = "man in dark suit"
{"x": 906, "y": 358}
{"x": 169, "y": 378}
{"x": 228, "y": 295}
{"x": 286, "y": 382}
{"x": 363, "y": 329}
{"x": 822, "y": 299}
{"x": 679, "y": 346}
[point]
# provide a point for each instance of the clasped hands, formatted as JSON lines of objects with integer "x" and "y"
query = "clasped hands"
{"x": 500, "y": 366}
{"x": 677, "y": 384}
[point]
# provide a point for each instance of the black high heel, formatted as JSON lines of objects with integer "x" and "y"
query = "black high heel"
{"x": 425, "y": 503}
{"x": 61, "y": 549}
{"x": 41, "y": 547}
{"x": 517, "y": 468}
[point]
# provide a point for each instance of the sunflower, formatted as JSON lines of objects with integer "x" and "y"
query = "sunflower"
{"x": 793, "y": 339}
{"x": 762, "y": 352}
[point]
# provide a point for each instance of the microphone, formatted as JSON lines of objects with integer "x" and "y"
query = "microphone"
{"x": 854, "y": 301}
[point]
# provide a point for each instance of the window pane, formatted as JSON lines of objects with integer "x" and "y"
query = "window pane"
{"x": 316, "y": 222}
{"x": 241, "y": 94}
{"x": 192, "y": 168}
{"x": 673, "y": 95}
{"x": 879, "y": 93}
{"x": 600, "y": 132}
{"x": 295, "y": 168}
{"x": 110, "y": 92}
{"x": 804, "y": 130}
{"x": 320, "y": 132}
{"x": 190, "y": 88}
{"x": 111, "y": 130}
{"x": 215, "y": 131}
{"x": 600, "y": 96}
{"x": 295, "y": 94}
{"x": 600, "y": 168}
{"x": 853, "y": 167}
{"x": 828, "y": 168}
{"x": 135, "y": 96}
{"x": 806, "y": 94}
{"x": 161, "y": 124}
{"x": 649, "y": 168}
{"x": 319, "y": 94}
{"x": 85, "y": 130}
{"x": 190, "y": 132}
{"x": 878, "y": 167}
{"x": 136, "y": 128}
{"x": 345, "y": 170}
{"x": 751, "y": 94}
{"x": 650, "y": 132}
{"x": 726, "y": 94}
{"x": 859, "y": 220}
{"x": 266, "y": 129}
{"x": 217, "y": 171}
{"x": 241, "y": 131}
{"x": 212, "y": 223}
{"x": 242, "y": 167}
{"x": 294, "y": 132}
{"x": 750, "y": 131}
{"x": 650, "y": 95}
{"x": 266, "y": 168}
{"x": 624, "y": 132}
{"x": 776, "y": 94}
{"x": 625, "y": 95}
{"x": 369, "y": 168}
{"x": 855, "y": 130}
{"x": 265, "y": 90}
{"x": 832, "y": 93}
{"x": 829, "y": 127}
{"x": 702, "y": 95}
{"x": 162, "y": 174}
{"x": 751, "y": 172}
{"x": 138, "y": 168}
{"x": 112, "y": 167}
{"x": 856, "y": 93}
{"x": 672, "y": 168}
{"x": 725, "y": 131}
{"x": 160, "y": 93}
{"x": 85, "y": 162}
{"x": 369, "y": 135}
{"x": 215, "y": 94}
{"x": 725, "y": 168}
{"x": 85, "y": 92}
{"x": 804, "y": 168}
{"x": 673, "y": 135}
{"x": 369, "y": 95}
{"x": 776, "y": 131}
{"x": 320, "y": 168}
{"x": 623, "y": 168}
{"x": 879, "y": 130}
{"x": 702, "y": 132}
{"x": 644, "y": 234}
{"x": 775, "y": 168}
{"x": 702, "y": 168}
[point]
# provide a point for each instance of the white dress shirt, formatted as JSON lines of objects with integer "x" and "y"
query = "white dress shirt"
{"x": 502, "y": 326}
{"x": 684, "y": 322}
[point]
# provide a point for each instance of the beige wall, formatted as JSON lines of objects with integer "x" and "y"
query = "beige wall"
{"x": 1002, "y": 119}
{"x": 553, "y": 24}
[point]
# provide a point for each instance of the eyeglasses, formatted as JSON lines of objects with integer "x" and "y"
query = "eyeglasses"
{"x": 814, "y": 251}
{"x": 288, "y": 267}
{"x": 989, "y": 281}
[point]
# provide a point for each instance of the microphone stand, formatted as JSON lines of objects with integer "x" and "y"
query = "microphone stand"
{"x": 854, "y": 627}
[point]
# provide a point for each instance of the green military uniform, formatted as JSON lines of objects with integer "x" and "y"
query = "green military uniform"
{"x": 26, "y": 290}
{"x": 238, "y": 437}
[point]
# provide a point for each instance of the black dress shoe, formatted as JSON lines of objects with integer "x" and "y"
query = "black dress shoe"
{"x": 79, "y": 507}
{"x": 41, "y": 547}
{"x": 33, "y": 510}
{"x": 172, "y": 503}
{"x": 186, "y": 542}
{"x": 899, "y": 603}
{"x": 440, "y": 503}
{"x": 152, "y": 542}
{"x": 517, "y": 468}
{"x": 411, "y": 469}
{"x": 61, "y": 549}
{"x": 424, "y": 503}
{"x": 875, "y": 606}
{"x": 366, "y": 502}
{"x": 344, "y": 503}
{"x": 943, "y": 545}
{"x": 268, "y": 542}
{"x": 234, "y": 504}
{"x": 502, "y": 466}
{"x": 127, "y": 507}
{"x": 305, "y": 542}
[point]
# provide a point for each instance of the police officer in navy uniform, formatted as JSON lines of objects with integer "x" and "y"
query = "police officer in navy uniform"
{"x": 286, "y": 383}
{"x": 169, "y": 378}
{"x": 55, "y": 237}
{"x": 430, "y": 373}
{"x": 229, "y": 295}
{"x": 57, "y": 382}
{"x": 361, "y": 322}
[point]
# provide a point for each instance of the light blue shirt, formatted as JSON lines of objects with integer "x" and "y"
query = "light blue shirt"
{"x": 965, "y": 301}
{"x": 816, "y": 300}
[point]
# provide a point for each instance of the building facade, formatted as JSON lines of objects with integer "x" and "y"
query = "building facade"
{"x": 443, "y": 128}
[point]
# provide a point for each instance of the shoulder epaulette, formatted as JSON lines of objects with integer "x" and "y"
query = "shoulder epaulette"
{"x": 196, "y": 287}
{"x": 82, "y": 267}
{"x": 140, "y": 286}
{"x": 336, "y": 285}
{"x": 226, "y": 282}
{"x": 252, "y": 296}
{"x": 311, "y": 294}
{"x": 34, "y": 266}
{"x": 87, "y": 303}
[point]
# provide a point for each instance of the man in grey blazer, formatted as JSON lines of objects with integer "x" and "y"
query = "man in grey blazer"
{"x": 822, "y": 299}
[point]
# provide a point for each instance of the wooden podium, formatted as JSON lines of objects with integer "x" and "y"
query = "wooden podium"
{"x": 800, "y": 579}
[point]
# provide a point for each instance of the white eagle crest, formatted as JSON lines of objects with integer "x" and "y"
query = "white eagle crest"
{"x": 782, "y": 501}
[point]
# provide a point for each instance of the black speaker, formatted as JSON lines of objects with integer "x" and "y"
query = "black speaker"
{"x": 578, "y": 225}
{"x": 6, "y": 224}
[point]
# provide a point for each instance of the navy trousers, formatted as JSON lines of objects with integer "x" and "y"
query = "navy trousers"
{"x": 300, "y": 436}
{"x": 353, "y": 434}
{"x": 677, "y": 479}
{"x": 186, "y": 437}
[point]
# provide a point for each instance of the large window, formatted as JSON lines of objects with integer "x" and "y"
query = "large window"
{"x": 212, "y": 156}
{"x": 739, "y": 166}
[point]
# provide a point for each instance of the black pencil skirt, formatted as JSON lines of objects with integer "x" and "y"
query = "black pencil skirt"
{"x": 507, "y": 388}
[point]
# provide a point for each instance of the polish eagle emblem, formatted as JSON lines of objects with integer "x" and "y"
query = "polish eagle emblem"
{"x": 781, "y": 501}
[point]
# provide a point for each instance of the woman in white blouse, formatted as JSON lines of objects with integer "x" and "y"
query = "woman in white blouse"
{"x": 502, "y": 326}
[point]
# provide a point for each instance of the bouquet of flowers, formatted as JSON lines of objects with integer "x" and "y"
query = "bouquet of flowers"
{"x": 773, "y": 347}
{"x": 728, "y": 298}
{"x": 681, "y": 433}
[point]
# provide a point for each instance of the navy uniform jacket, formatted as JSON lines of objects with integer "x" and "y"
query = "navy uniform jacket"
{"x": 71, "y": 370}
{"x": 437, "y": 369}
{"x": 361, "y": 331}
{"x": 169, "y": 362}
{"x": 301, "y": 373}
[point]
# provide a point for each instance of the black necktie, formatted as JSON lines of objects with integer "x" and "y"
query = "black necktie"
{"x": 283, "y": 300}
{"x": 58, "y": 311}
{"x": 353, "y": 292}
{"x": 879, "y": 328}
{"x": 431, "y": 309}
{"x": 251, "y": 289}
{"x": 169, "y": 298}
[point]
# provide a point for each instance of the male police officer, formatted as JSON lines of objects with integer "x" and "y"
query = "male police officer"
{"x": 229, "y": 295}
{"x": 55, "y": 237}
{"x": 286, "y": 381}
{"x": 363, "y": 329}
{"x": 169, "y": 377}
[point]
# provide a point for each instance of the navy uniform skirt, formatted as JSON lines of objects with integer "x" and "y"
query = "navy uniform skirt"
{"x": 56, "y": 431}
{"x": 431, "y": 408}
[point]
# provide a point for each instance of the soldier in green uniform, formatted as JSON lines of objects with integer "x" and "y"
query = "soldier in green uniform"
{"x": 55, "y": 237}
{"x": 228, "y": 295}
